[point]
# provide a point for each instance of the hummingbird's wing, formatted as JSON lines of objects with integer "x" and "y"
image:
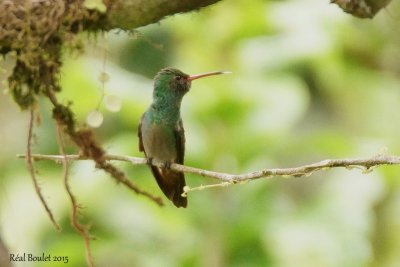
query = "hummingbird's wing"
{"x": 170, "y": 182}
{"x": 178, "y": 178}
{"x": 139, "y": 132}
{"x": 180, "y": 142}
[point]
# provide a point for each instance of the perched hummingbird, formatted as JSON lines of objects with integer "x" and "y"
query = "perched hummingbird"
{"x": 161, "y": 133}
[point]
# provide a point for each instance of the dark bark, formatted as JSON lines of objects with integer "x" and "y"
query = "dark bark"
{"x": 362, "y": 8}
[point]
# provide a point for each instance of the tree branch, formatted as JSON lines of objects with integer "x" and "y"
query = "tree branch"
{"x": 135, "y": 13}
{"x": 25, "y": 24}
{"x": 365, "y": 164}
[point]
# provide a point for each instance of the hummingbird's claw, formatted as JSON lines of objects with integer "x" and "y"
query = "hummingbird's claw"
{"x": 167, "y": 165}
{"x": 164, "y": 165}
{"x": 150, "y": 161}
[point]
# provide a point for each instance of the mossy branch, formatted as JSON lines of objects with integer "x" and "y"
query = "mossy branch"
{"x": 33, "y": 22}
{"x": 131, "y": 14}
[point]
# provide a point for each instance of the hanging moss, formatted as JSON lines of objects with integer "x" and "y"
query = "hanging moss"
{"x": 42, "y": 31}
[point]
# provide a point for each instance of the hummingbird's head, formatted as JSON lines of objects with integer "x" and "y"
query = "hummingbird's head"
{"x": 172, "y": 81}
{"x": 176, "y": 82}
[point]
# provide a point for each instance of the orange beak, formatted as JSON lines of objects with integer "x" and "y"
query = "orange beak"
{"x": 197, "y": 76}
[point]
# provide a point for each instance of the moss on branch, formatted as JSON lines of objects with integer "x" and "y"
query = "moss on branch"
{"x": 135, "y": 13}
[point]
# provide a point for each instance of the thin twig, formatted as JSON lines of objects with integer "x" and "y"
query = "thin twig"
{"x": 366, "y": 164}
{"x": 126, "y": 182}
{"x": 81, "y": 229}
{"x": 139, "y": 191}
{"x": 31, "y": 169}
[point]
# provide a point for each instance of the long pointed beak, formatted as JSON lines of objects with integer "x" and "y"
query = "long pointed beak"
{"x": 197, "y": 76}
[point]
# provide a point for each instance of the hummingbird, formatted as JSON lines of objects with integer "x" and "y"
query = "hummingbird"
{"x": 161, "y": 133}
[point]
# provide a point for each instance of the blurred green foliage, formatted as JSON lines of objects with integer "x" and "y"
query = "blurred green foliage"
{"x": 308, "y": 83}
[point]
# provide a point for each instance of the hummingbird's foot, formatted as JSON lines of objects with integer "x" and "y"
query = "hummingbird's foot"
{"x": 166, "y": 165}
{"x": 150, "y": 161}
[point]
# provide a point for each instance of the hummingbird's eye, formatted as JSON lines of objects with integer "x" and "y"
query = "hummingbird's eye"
{"x": 178, "y": 77}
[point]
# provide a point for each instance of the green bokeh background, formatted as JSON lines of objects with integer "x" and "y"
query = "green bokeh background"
{"x": 309, "y": 83}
